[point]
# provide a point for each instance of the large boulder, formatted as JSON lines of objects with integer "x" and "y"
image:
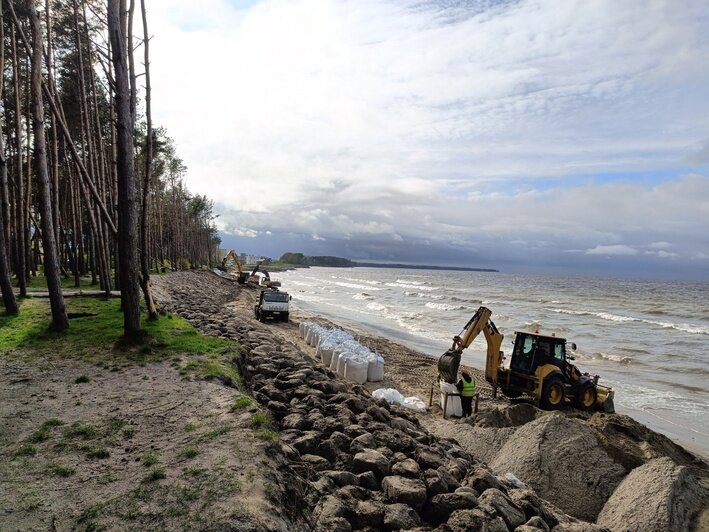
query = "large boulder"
{"x": 371, "y": 460}
{"x": 657, "y": 496}
{"x": 405, "y": 490}
{"x": 504, "y": 507}
{"x": 561, "y": 459}
{"x": 400, "y": 517}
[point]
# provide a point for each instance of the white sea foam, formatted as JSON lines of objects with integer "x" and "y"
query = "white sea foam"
{"x": 411, "y": 285}
{"x": 377, "y": 307}
{"x": 615, "y": 358}
{"x": 684, "y": 327}
{"x": 444, "y": 306}
{"x": 355, "y": 286}
{"x": 362, "y": 296}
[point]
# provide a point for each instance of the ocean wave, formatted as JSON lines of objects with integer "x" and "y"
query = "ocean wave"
{"x": 362, "y": 296}
{"x": 684, "y": 327}
{"x": 444, "y": 306}
{"x": 463, "y": 300}
{"x": 410, "y": 285}
{"x": 409, "y": 281}
{"x": 355, "y": 286}
{"x": 377, "y": 307}
{"x": 426, "y": 295}
{"x": 413, "y": 316}
{"x": 614, "y": 358}
{"x": 355, "y": 280}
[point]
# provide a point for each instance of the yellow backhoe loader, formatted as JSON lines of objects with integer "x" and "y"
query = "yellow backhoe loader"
{"x": 539, "y": 367}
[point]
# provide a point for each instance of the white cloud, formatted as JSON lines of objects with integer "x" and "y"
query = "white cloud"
{"x": 615, "y": 249}
{"x": 401, "y": 121}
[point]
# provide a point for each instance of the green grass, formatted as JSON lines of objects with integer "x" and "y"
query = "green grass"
{"x": 190, "y": 427}
{"x": 82, "y": 378}
{"x": 189, "y": 452}
{"x": 216, "y": 433}
{"x": 95, "y": 338}
{"x": 242, "y": 402}
{"x": 97, "y": 452}
{"x": 156, "y": 473}
{"x": 26, "y": 450}
{"x": 53, "y": 422}
{"x": 39, "y": 436}
{"x": 151, "y": 458}
{"x": 39, "y": 283}
{"x": 260, "y": 419}
{"x": 268, "y": 435}
{"x": 61, "y": 470}
{"x": 81, "y": 430}
{"x": 264, "y": 426}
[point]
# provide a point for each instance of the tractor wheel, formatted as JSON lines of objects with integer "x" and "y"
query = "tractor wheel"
{"x": 260, "y": 316}
{"x": 553, "y": 394}
{"x": 585, "y": 399}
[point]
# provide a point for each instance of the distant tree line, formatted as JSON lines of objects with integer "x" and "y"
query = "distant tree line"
{"x": 321, "y": 260}
{"x": 88, "y": 185}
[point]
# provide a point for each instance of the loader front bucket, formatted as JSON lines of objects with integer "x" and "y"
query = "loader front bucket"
{"x": 604, "y": 399}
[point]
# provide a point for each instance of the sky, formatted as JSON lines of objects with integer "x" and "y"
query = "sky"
{"x": 528, "y": 136}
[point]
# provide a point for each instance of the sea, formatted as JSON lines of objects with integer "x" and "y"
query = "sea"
{"x": 648, "y": 339}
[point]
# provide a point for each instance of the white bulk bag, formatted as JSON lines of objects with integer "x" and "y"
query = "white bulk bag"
{"x": 326, "y": 354}
{"x": 342, "y": 362}
{"x": 309, "y": 334}
{"x": 301, "y": 329}
{"x": 375, "y": 368}
{"x": 356, "y": 370}
{"x": 454, "y": 408}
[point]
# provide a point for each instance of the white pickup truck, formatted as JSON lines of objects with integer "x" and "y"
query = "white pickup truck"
{"x": 272, "y": 304}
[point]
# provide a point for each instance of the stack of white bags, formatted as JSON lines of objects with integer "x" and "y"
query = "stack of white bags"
{"x": 344, "y": 355}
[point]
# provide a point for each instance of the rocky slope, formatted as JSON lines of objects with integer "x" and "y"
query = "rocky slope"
{"x": 358, "y": 463}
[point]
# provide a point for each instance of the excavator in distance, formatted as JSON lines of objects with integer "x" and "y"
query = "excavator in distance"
{"x": 539, "y": 367}
{"x": 230, "y": 260}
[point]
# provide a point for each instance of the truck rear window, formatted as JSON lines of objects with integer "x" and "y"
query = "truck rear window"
{"x": 276, "y": 298}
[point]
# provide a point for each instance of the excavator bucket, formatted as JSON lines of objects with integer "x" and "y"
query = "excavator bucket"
{"x": 604, "y": 399}
{"x": 448, "y": 366}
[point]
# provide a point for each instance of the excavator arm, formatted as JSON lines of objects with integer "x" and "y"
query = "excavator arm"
{"x": 480, "y": 322}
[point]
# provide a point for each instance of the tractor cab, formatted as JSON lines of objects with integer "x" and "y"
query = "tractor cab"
{"x": 532, "y": 350}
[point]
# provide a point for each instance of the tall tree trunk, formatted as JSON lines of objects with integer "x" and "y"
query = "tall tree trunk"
{"x": 127, "y": 222}
{"x": 144, "y": 216}
{"x": 20, "y": 222}
{"x": 8, "y": 296}
{"x": 60, "y": 321}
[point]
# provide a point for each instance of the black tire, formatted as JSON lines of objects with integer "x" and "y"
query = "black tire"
{"x": 553, "y": 394}
{"x": 585, "y": 397}
{"x": 256, "y": 312}
{"x": 261, "y": 317}
{"x": 284, "y": 318}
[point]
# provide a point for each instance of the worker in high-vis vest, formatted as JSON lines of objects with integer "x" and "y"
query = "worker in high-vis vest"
{"x": 466, "y": 387}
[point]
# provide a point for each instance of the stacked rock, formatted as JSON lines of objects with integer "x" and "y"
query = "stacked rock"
{"x": 372, "y": 465}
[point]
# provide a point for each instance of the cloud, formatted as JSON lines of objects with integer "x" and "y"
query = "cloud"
{"x": 442, "y": 128}
{"x": 700, "y": 156}
{"x": 615, "y": 249}
{"x": 662, "y": 254}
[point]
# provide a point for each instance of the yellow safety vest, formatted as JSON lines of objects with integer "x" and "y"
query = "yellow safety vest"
{"x": 468, "y": 388}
